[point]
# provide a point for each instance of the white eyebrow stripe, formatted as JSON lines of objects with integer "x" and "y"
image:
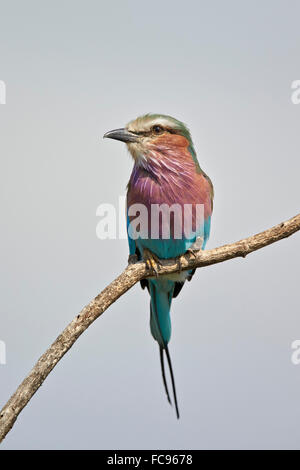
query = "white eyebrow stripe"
{"x": 144, "y": 124}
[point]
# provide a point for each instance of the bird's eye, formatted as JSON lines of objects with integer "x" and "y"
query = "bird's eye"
{"x": 157, "y": 129}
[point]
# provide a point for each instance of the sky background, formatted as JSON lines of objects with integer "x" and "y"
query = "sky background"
{"x": 74, "y": 70}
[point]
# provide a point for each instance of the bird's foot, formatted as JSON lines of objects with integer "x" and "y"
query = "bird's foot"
{"x": 196, "y": 247}
{"x": 132, "y": 259}
{"x": 151, "y": 260}
{"x": 179, "y": 264}
{"x": 192, "y": 252}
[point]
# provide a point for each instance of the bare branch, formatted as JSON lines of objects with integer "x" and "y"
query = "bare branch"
{"x": 130, "y": 276}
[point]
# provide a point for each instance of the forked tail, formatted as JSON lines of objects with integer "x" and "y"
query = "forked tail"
{"x": 166, "y": 350}
{"x": 161, "y": 297}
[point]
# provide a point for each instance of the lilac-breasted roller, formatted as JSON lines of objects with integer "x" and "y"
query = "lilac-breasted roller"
{"x": 166, "y": 175}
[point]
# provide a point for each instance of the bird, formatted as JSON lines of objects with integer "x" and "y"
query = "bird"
{"x": 166, "y": 174}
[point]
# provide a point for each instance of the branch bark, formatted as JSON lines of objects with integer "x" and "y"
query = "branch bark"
{"x": 130, "y": 276}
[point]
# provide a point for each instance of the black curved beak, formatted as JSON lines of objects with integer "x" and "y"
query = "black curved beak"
{"x": 121, "y": 134}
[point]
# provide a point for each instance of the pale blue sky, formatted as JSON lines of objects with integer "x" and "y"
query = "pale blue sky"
{"x": 74, "y": 70}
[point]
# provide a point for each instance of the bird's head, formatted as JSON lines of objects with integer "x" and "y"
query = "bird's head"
{"x": 154, "y": 134}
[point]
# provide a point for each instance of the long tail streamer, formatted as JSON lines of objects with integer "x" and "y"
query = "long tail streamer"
{"x": 172, "y": 377}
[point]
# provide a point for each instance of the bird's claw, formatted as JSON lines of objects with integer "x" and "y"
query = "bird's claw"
{"x": 196, "y": 247}
{"x": 132, "y": 259}
{"x": 151, "y": 260}
{"x": 192, "y": 252}
{"x": 179, "y": 264}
